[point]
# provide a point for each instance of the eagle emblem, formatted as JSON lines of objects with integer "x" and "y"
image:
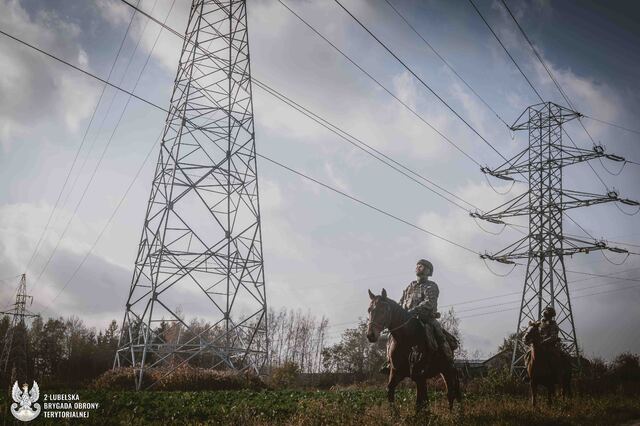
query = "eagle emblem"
{"x": 24, "y": 399}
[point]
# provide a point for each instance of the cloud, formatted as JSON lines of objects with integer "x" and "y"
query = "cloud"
{"x": 587, "y": 95}
{"x": 335, "y": 180}
{"x": 97, "y": 291}
{"x": 281, "y": 239}
{"x": 458, "y": 227}
{"x": 37, "y": 87}
{"x": 321, "y": 251}
{"x": 115, "y": 12}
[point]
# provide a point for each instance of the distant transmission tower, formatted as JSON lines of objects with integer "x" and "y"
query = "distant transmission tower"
{"x": 545, "y": 245}
{"x": 201, "y": 244}
{"x": 14, "y": 348}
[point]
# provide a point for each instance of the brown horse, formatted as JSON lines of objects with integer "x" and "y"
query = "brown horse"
{"x": 410, "y": 353}
{"x": 546, "y": 366}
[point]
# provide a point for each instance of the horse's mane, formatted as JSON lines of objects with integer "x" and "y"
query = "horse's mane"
{"x": 397, "y": 308}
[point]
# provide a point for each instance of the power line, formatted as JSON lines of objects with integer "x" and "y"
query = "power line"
{"x": 102, "y": 155}
{"x": 505, "y": 49}
{"x": 557, "y": 84}
{"x": 575, "y": 297}
{"x": 104, "y": 228}
{"x": 10, "y": 278}
{"x": 517, "y": 301}
{"x": 87, "y": 73}
{"x": 553, "y": 79}
{"x": 535, "y": 51}
{"x": 110, "y": 106}
{"x": 330, "y": 126}
{"x": 603, "y": 276}
{"x": 84, "y": 137}
{"x": 447, "y": 64}
{"x": 336, "y": 129}
{"x": 495, "y": 35}
{"x": 579, "y": 289}
{"x": 376, "y": 81}
{"x": 585, "y": 231}
{"x": 259, "y": 155}
{"x": 433, "y": 92}
{"x": 613, "y": 125}
{"x": 368, "y": 205}
{"x": 350, "y": 139}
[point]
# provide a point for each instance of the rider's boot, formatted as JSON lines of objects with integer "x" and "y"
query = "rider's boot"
{"x": 446, "y": 350}
{"x": 443, "y": 344}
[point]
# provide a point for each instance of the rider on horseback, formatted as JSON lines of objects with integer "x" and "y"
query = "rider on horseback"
{"x": 549, "y": 331}
{"x": 420, "y": 299}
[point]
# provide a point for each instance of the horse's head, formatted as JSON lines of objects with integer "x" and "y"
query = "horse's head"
{"x": 379, "y": 313}
{"x": 532, "y": 335}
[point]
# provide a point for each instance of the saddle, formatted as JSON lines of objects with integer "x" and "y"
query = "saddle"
{"x": 432, "y": 342}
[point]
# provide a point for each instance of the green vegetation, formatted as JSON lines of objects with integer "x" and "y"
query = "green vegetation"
{"x": 340, "y": 407}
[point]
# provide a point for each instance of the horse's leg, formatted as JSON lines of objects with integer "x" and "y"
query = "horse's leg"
{"x": 534, "y": 392}
{"x": 566, "y": 382}
{"x": 551, "y": 392}
{"x": 450, "y": 376}
{"x": 566, "y": 392}
{"x": 421, "y": 393}
{"x": 394, "y": 379}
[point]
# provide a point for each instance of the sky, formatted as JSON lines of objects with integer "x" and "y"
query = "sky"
{"x": 322, "y": 251}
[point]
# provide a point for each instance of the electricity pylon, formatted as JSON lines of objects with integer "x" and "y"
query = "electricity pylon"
{"x": 201, "y": 242}
{"x": 545, "y": 245}
{"x": 17, "y": 353}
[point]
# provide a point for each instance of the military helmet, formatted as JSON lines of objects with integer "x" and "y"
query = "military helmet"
{"x": 549, "y": 311}
{"x": 426, "y": 264}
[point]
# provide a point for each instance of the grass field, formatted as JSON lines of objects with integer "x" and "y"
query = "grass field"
{"x": 344, "y": 407}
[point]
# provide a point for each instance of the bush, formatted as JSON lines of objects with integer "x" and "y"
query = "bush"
{"x": 285, "y": 376}
{"x": 184, "y": 378}
{"x": 497, "y": 382}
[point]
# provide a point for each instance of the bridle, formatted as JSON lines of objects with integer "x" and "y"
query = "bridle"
{"x": 381, "y": 327}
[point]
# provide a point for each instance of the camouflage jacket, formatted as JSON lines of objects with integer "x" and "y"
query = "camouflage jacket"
{"x": 421, "y": 298}
{"x": 549, "y": 331}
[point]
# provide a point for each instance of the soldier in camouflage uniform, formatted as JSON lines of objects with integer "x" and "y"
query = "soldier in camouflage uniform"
{"x": 549, "y": 330}
{"x": 420, "y": 298}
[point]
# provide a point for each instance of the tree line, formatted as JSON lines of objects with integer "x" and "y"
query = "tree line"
{"x": 65, "y": 351}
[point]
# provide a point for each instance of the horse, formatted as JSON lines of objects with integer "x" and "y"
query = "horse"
{"x": 545, "y": 366}
{"x": 410, "y": 354}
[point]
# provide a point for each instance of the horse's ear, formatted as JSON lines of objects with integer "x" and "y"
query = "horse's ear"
{"x": 384, "y": 293}
{"x": 371, "y": 295}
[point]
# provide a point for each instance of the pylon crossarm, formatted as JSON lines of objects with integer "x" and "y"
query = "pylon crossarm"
{"x": 575, "y": 199}
{"x": 517, "y": 206}
{"x": 506, "y": 253}
{"x": 568, "y": 251}
{"x": 575, "y": 155}
{"x": 516, "y": 165}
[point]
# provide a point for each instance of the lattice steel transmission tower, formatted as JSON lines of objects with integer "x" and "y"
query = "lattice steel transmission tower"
{"x": 545, "y": 245}
{"x": 201, "y": 242}
{"x": 14, "y": 347}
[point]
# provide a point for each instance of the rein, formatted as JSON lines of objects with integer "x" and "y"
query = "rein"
{"x": 391, "y": 330}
